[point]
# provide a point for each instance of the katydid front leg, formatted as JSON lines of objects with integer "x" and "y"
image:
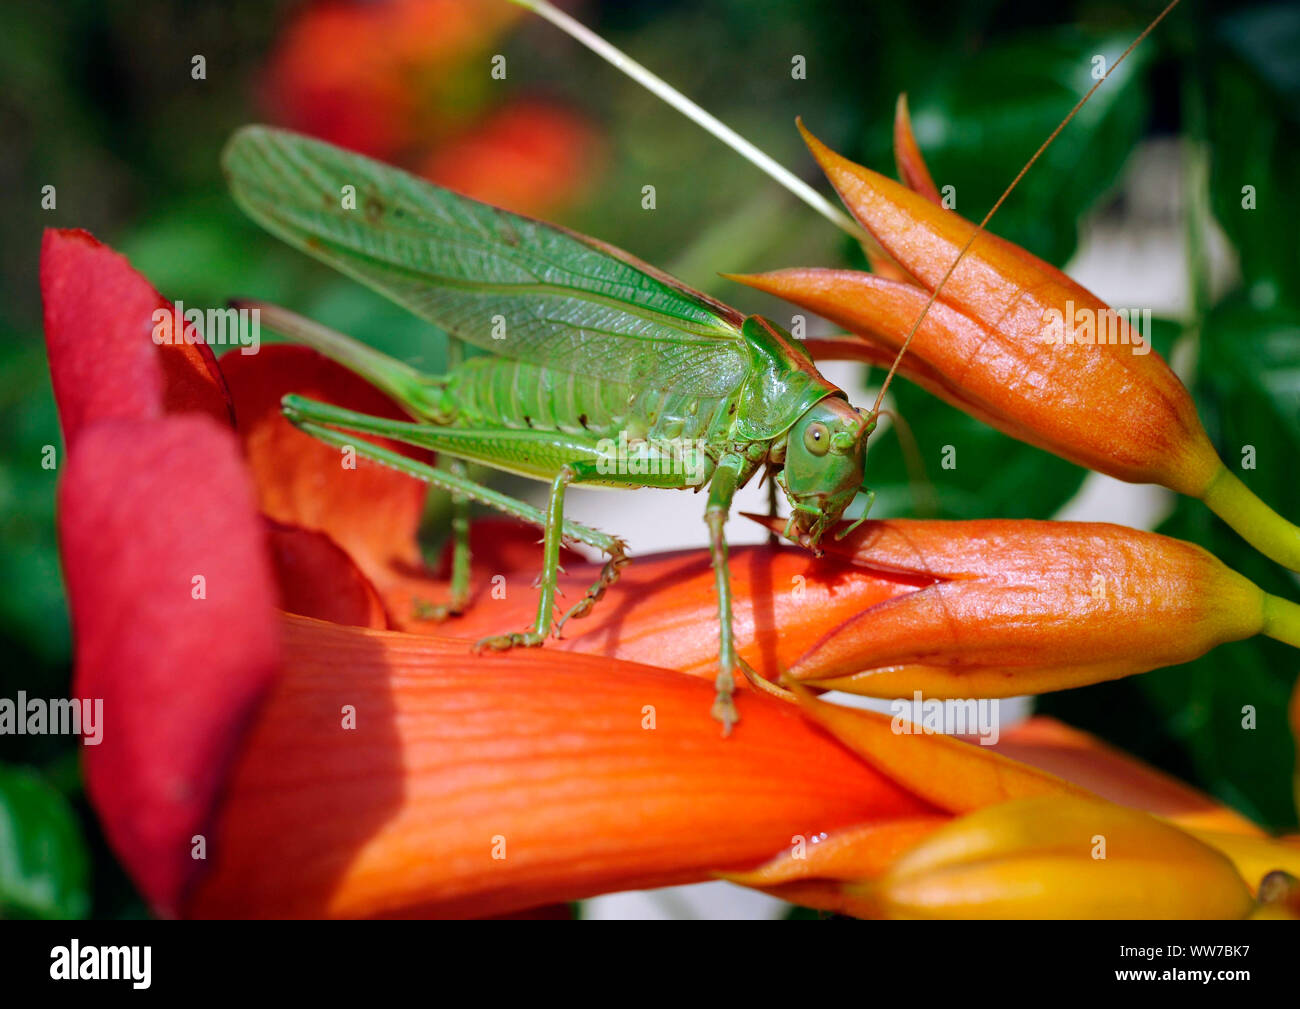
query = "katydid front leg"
{"x": 722, "y": 489}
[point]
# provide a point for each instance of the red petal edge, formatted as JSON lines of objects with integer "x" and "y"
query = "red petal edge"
{"x": 99, "y": 336}
{"x": 145, "y": 509}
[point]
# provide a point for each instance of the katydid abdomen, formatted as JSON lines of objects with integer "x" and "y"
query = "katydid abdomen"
{"x": 533, "y": 421}
{"x": 610, "y": 417}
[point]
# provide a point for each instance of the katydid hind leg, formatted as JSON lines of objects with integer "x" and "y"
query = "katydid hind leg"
{"x": 311, "y": 417}
{"x": 460, "y": 556}
{"x": 615, "y": 550}
{"x": 609, "y": 574}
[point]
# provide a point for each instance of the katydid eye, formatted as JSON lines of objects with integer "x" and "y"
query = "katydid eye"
{"x": 817, "y": 439}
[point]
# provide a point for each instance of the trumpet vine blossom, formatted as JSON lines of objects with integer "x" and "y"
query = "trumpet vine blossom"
{"x": 284, "y": 736}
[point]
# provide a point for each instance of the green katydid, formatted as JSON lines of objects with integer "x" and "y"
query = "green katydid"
{"x": 593, "y": 353}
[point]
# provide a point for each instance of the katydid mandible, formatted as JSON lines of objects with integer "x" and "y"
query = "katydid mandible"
{"x": 594, "y": 355}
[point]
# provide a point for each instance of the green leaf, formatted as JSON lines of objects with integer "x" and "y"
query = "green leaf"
{"x": 1255, "y": 162}
{"x": 43, "y": 861}
{"x": 33, "y": 612}
{"x": 203, "y": 252}
{"x": 980, "y": 117}
{"x": 1268, "y": 38}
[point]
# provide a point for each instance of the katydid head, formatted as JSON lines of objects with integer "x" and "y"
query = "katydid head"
{"x": 825, "y": 458}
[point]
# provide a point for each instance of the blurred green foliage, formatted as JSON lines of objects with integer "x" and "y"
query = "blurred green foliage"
{"x": 100, "y": 103}
{"x": 43, "y": 870}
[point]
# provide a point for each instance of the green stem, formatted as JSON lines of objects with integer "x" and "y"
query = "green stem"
{"x": 1282, "y": 620}
{"x": 1256, "y": 523}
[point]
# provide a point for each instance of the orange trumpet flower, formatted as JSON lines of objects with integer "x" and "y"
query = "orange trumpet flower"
{"x": 334, "y": 761}
{"x": 1016, "y": 343}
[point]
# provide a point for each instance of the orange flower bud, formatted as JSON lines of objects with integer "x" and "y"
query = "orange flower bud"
{"x": 1035, "y": 852}
{"x": 907, "y": 155}
{"x": 1059, "y": 857}
{"x": 1018, "y": 344}
{"x": 1011, "y": 607}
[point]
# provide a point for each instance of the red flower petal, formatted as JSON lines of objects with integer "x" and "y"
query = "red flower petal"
{"x": 97, "y": 312}
{"x": 192, "y": 382}
{"x": 145, "y": 510}
{"x": 318, "y": 579}
{"x": 99, "y": 335}
{"x": 371, "y": 512}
